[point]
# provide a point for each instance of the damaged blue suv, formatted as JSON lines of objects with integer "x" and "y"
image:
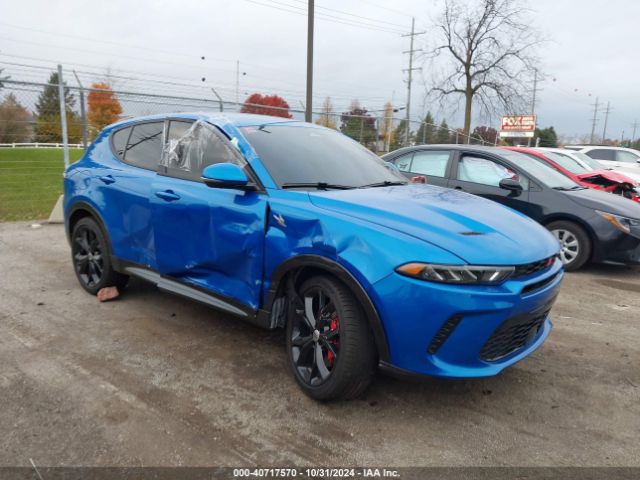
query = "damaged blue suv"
{"x": 291, "y": 225}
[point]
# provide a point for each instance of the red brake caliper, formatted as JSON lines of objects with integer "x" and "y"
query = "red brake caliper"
{"x": 333, "y": 326}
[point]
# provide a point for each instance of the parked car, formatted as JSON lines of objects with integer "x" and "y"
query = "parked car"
{"x": 295, "y": 226}
{"x": 623, "y": 160}
{"x": 590, "y": 225}
{"x": 567, "y": 163}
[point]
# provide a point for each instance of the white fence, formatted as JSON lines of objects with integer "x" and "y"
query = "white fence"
{"x": 38, "y": 145}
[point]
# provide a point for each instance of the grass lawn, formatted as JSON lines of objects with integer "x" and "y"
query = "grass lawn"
{"x": 31, "y": 181}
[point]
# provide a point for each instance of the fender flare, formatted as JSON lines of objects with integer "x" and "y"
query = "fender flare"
{"x": 299, "y": 262}
{"x": 81, "y": 205}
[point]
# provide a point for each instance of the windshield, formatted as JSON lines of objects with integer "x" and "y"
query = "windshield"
{"x": 540, "y": 171}
{"x": 586, "y": 159}
{"x": 296, "y": 154}
{"x": 566, "y": 161}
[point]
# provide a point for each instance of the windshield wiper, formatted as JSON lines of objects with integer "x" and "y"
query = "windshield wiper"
{"x": 566, "y": 189}
{"x": 386, "y": 183}
{"x": 318, "y": 185}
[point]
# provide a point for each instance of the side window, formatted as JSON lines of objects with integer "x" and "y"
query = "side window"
{"x": 145, "y": 145}
{"x": 191, "y": 148}
{"x": 119, "y": 139}
{"x": 432, "y": 163}
{"x": 404, "y": 162}
{"x": 177, "y": 129}
{"x": 486, "y": 172}
{"x": 602, "y": 154}
{"x": 627, "y": 157}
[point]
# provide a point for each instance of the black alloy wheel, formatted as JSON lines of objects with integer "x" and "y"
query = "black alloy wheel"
{"x": 329, "y": 343}
{"x": 91, "y": 257}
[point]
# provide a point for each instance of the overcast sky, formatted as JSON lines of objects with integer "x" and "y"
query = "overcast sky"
{"x": 592, "y": 50}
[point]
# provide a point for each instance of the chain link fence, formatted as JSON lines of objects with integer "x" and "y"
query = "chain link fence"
{"x": 31, "y": 161}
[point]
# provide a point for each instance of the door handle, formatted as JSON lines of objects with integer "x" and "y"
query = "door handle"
{"x": 168, "y": 195}
{"x": 459, "y": 188}
{"x": 107, "y": 179}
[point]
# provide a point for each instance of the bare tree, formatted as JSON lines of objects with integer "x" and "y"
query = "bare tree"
{"x": 326, "y": 115}
{"x": 486, "y": 51}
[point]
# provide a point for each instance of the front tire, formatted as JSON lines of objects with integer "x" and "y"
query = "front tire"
{"x": 92, "y": 259}
{"x": 575, "y": 244}
{"x": 329, "y": 344}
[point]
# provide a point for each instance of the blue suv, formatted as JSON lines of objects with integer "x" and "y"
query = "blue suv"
{"x": 291, "y": 225}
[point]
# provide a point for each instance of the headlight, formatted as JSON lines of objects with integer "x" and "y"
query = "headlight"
{"x": 460, "y": 274}
{"x": 630, "y": 226}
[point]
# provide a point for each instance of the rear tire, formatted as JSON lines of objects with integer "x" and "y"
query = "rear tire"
{"x": 575, "y": 244}
{"x": 330, "y": 347}
{"x": 91, "y": 257}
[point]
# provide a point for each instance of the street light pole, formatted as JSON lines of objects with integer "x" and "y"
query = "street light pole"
{"x": 308, "y": 109}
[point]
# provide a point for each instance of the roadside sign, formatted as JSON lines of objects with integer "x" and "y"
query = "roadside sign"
{"x": 518, "y": 126}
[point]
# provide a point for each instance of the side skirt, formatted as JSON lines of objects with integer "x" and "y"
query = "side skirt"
{"x": 183, "y": 289}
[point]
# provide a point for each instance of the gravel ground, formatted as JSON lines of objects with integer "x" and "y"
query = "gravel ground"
{"x": 152, "y": 379}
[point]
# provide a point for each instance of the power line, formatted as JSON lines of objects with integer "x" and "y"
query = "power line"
{"x": 352, "y": 14}
{"x": 330, "y": 18}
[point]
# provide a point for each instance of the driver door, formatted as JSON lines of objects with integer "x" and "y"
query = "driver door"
{"x": 211, "y": 238}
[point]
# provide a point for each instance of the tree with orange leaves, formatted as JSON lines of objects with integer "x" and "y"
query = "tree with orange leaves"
{"x": 273, "y": 105}
{"x": 104, "y": 107}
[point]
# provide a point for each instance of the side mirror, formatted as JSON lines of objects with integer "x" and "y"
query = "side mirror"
{"x": 510, "y": 184}
{"x": 226, "y": 175}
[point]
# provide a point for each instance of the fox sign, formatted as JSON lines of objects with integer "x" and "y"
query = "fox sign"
{"x": 518, "y": 126}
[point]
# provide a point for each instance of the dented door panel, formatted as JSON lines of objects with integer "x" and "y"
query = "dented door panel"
{"x": 212, "y": 238}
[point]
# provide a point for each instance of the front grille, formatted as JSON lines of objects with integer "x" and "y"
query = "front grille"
{"x": 531, "y": 268}
{"x": 512, "y": 335}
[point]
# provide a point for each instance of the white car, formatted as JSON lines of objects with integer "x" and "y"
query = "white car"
{"x": 622, "y": 160}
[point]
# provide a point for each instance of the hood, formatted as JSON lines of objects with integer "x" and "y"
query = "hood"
{"x": 477, "y": 230}
{"x": 631, "y": 172}
{"x": 609, "y": 175}
{"x": 605, "y": 202}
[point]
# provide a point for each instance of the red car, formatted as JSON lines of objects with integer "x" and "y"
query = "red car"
{"x": 582, "y": 174}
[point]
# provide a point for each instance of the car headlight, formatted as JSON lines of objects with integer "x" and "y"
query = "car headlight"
{"x": 630, "y": 226}
{"x": 459, "y": 274}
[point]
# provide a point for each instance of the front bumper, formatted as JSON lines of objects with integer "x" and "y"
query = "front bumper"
{"x": 463, "y": 330}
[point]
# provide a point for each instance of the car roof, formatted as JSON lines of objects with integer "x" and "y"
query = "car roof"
{"x": 452, "y": 146}
{"x": 608, "y": 147}
{"x": 217, "y": 118}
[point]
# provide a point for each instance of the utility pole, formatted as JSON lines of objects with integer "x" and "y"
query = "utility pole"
{"x": 63, "y": 118}
{"x": 237, "y": 82}
{"x": 83, "y": 114}
{"x": 533, "y": 99}
{"x": 635, "y": 126}
{"x": 593, "y": 122}
{"x": 307, "y": 112}
{"x": 410, "y": 70}
{"x": 606, "y": 119}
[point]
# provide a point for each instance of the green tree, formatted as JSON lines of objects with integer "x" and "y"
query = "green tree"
{"x": 358, "y": 124}
{"x": 15, "y": 121}
{"x": 443, "y": 135}
{"x": 547, "y": 136}
{"x": 427, "y": 131}
{"x": 398, "y": 136}
{"x": 48, "y": 127}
